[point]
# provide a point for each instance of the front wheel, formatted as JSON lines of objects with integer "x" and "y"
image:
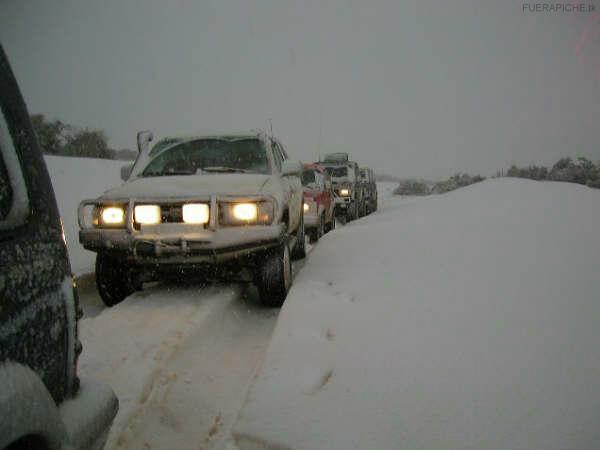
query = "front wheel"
{"x": 331, "y": 225}
{"x": 274, "y": 277}
{"x": 318, "y": 232}
{"x": 299, "y": 251}
{"x": 352, "y": 213}
{"x": 115, "y": 280}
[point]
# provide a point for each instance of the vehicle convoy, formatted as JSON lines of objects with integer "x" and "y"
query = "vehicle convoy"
{"x": 346, "y": 185}
{"x": 43, "y": 403}
{"x": 367, "y": 178}
{"x": 227, "y": 205}
{"x": 319, "y": 201}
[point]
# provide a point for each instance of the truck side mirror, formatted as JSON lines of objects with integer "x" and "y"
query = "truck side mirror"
{"x": 126, "y": 171}
{"x": 143, "y": 139}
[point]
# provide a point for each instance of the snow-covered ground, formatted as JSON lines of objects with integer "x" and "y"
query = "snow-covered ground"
{"x": 179, "y": 359}
{"x": 469, "y": 320}
{"x": 465, "y": 320}
{"x": 75, "y": 179}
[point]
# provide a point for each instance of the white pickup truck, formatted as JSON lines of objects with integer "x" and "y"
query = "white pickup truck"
{"x": 225, "y": 206}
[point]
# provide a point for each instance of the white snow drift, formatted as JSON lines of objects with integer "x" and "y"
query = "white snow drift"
{"x": 73, "y": 180}
{"x": 469, "y": 320}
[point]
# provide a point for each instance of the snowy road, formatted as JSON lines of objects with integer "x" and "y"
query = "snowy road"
{"x": 180, "y": 358}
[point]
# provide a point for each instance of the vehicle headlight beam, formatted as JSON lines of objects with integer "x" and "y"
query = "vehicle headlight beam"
{"x": 113, "y": 215}
{"x": 247, "y": 212}
{"x": 147, "y": 214}
{"x": 195, "y": 213}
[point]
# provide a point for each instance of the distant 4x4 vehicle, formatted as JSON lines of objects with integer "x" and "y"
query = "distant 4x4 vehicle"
{"x": 43, "y": 404}
{"x": 348, "y": 189}
{"x": 319, "y": 201}
{"x": 367, "y": 178}
{"x": 224, "y": 203}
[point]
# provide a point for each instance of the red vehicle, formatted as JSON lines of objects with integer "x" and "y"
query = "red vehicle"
{"x": 319, "y": 201}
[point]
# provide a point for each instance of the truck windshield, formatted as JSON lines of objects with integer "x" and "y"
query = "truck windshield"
{"x": 162, "y": 144}
{"x": 210, "y": 155}
{"x": 308, "y": 177}
{"x": 337, "y": 172}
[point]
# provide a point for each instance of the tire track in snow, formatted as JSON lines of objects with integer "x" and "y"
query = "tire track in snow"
{"x": 130, "y": 346}
{"x": 212, "y": 369}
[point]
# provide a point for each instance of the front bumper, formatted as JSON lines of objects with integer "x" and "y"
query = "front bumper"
{"x": 311, "y": 220}
{"x": 89, "y": 415}
{"x": 180, "y": 243}
{"x": 343, "y": 201}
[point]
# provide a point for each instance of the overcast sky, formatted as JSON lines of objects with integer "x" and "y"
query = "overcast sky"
{"x": 416, "y": 88}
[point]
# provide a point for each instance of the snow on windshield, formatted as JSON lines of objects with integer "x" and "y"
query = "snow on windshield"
{"x": 211, "y": 155}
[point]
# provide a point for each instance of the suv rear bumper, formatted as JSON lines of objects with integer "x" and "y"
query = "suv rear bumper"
{"x": 88, "y": 416}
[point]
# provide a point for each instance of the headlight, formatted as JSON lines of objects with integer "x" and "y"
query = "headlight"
{"x": 108, "y": 216}
{"x": 195, "y": 213}
{"x": 258, "y": 213}
{"x": 345, "y": 192}
{"x": 310, "y": 207}
{"x": 247, "y": 212}
{"x": 147, "y": 214}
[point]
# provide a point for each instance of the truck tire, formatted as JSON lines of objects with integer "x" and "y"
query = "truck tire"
{"x": 274, "y": 277}
{"x": 114, "y": 279}
{"x": 299, "y": 251}
{"x": 331, "y": 225}
{"x": 352, "y": 213}
{"x": 316, "y": 233}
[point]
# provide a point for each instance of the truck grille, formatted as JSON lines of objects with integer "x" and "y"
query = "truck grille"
{"x": 171, "y": 213}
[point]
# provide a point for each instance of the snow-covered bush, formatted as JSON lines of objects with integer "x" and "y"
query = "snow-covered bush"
{"x": 455, "y": 182}
{"x": 412, "y": 187}
{"x": 580, "y": 171}
{"x": 531, "y": 172}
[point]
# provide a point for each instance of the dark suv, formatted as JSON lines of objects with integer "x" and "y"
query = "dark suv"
{"x": 43, "y": 404}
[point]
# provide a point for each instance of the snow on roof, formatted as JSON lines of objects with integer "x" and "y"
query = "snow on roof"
{"x": 239, "y": 134}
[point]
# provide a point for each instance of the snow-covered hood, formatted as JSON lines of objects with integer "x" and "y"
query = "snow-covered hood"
{"x": 192, "y": 185}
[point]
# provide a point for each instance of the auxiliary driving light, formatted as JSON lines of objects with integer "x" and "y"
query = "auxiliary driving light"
{"x": 245, "y": 211}
{"x": 113, "y": 215}
{"x": 195, "y": 213}
{"x": 147, "y": 214}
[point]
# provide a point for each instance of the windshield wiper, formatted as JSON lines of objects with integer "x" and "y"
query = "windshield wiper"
{"x": 166, "y": 174}
{"x": 224, "y": 169}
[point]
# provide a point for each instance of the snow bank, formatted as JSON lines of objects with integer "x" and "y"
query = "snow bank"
{"x": 468, "y": 320}
{"x": 75, "y": 179}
